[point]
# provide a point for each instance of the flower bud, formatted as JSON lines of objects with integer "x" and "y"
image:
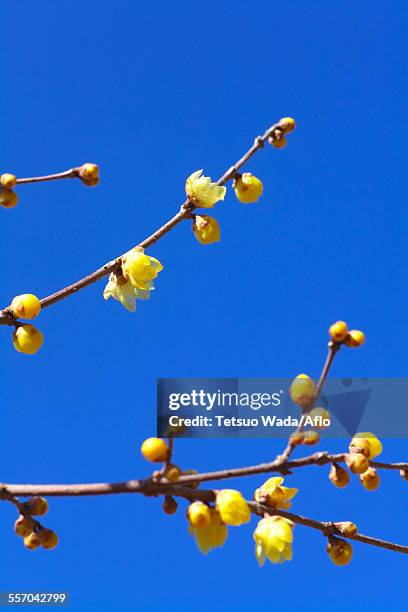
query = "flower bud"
{"x": 27, "y": 339}
{"x": 206, "y": 229}
{"x": 8, "y": 198}
{"x": 89, "y": 174}
{"x": 338, "y": 331}
{"x": 155, "y": 450}
{"x": 404, "y": 474}
{"x": 302, "y": 390}
{"x": 360, "y": 445}
{"x": 347, "y": 528}
{"x": 48, "y": 538}
{"x": 8, "y": 181}
{"x": 23, "y": 526}
{"x": 354, "y": 338}
{"x": 311, "y": 437}
{"x": 37, "y": 506}
{"x": 339, "y": 476}
{"x": 172, "y": 473}
{"x": 278, "y": 142}
{"x": 340, "y": 551}
{"x": 26, "y": 306}
{"x": 32, "y": 541}
{"x": 170, "y": 505}
{"x": 357, "y": 463}
{"x": 296, "y": 439}
{"x": 199, "y": 514}
{"x": 248, "y": 188}
{"x": 367, "y": 443}
{"x": 370, "y": 479}
{"x": 287, "y": 124}
{"x": 319, "y": 415}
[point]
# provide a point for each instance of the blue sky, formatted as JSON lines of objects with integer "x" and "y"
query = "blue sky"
{"x": 153, "y": 91}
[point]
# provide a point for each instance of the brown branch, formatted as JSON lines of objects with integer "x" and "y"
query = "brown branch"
{"x": 72, "y": 173}
{"x": 151, "y": 488}
{"x": 6, "y": 318}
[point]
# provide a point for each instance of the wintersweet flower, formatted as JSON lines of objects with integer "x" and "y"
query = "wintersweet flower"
{"x": 206, "y": 229}
{"x": 232, "y": 507}
{"x": 248, "y": 188}
{"x": 122, "y": 291}
{"x": 202, "y": 192}
{"x": 302, "y": 390}
{"x": 139, "y": 269}
{"x": 340, "y": 551}
{"x": 211, "y": 536}
{"x": 273, "y": 540}
{"x": 272, "y": 494}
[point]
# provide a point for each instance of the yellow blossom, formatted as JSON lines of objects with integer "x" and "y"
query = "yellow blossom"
{"x": 124, "y": 292}
{"x": 139, "y": 269}
{"x": 248, "y": 188}
{"x": 369, "y": 441}
{"x": 206, "y": 229}
{"x": 8, "y": 198}
{"x": 272, "y": 494}
{"x": 354, "y": 338}
{"x": 155, "y": 450}
{"x": 338, "y": 331}
{"x": 211, "y": 536}
{"x": 232, "y": 507}
{"x": 8, "y": 181}
{"x": 273, "y": 540}
{"x": 199, "y": 514}
{"x": 202, "y": 192}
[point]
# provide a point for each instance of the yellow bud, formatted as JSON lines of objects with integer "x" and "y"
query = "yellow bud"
{"x": 370, "y": 479}
{"x": 404, "y": 474}
{"x": 199, "y": 514}
{"x": 27, "y": 339}
{"x": 48, "y": 538}
{"x": 23, "y": 526}
{"x": 347, "y": 528}
{"x": 8, "y": 181}
{"x": 340, "y": 551}
{"x": 287, "y": 124}
{"x": 172, "y": 473}
{"x": 360, "y": 445}
{"x": 339, "y": 476}
{"x": 8, "y": 198}
{"x": 89, "y": 172}
{"x": 367, "y": 443}
{"x": 338, "y": 331}
{"x": 206, "y": 229}
{"x": 26, "y": 306}
{"x": 170, "y": 505}
{"x": 248, "y": 188}
{"x": 302, "y": 390}
{"x": 357, "y": 463}
{"x": 319, "y": 415}
{"x": 279, "y": 141}
{"x": 311, "y": 437}
{"x": 37, "y": 506}
{"x": 296, "y": 439}
{"x": 354, "y": 338}
{"x": 32, "y": 541}
{"x": 155, "y": 450}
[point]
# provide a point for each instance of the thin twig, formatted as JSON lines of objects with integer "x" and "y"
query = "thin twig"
{"x": 184, "y": 213}
{"x": 72, "y": 173}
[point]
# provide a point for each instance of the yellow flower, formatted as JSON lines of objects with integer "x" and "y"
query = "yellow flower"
{"x": 287, "y": 124}
{"x": 338, "y": 331}
{"x": 123, "y": 292}
{"x": 211, "y": 536}
{"x": 248, "y": 188}
{"x": 369, "y": 441}
{"x": 8, "y": 181}
{"x": 139, "y": 269}
{"x": 272, "y": 494}
{"x": 8, "y": 198}
{"x": 202, "y": 192}
{"x": 206, "y": 229}
{"x": 27, "y": 339}
{"x": 199, "y": 514}
{"x": 26, "y": 306}
{"x": 232, "y": 507}
{"x": 302, "y": 390}
{"x": 273, "y": 540}
{"x": 354, "y": 338}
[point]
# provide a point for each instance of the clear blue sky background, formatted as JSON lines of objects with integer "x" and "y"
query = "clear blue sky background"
{"x": 152, "y": 91}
